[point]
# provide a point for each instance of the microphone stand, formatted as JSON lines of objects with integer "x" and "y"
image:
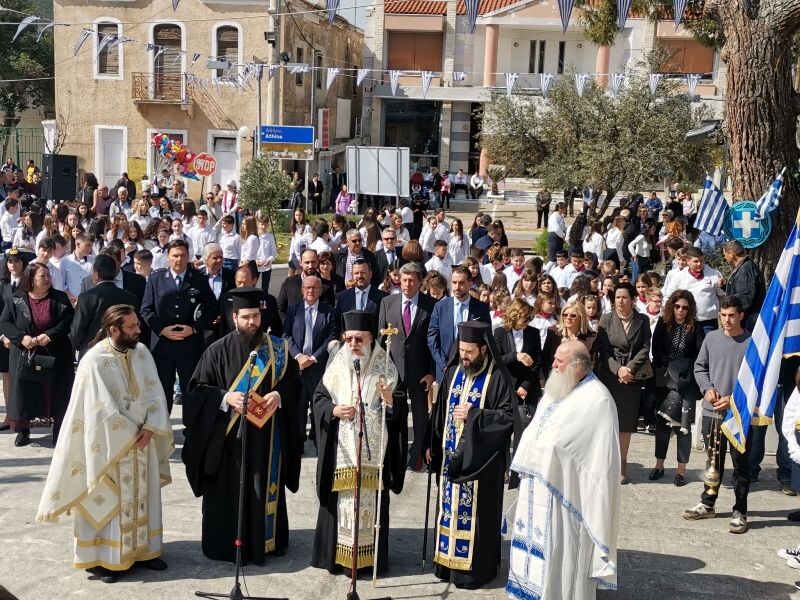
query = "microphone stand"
{"x": 236, "y": 592}
{"x": 353, "y": 594}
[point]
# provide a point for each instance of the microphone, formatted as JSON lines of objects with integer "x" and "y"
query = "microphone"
{"x": 253, "y": 356}
{"x": 357, "y": 366}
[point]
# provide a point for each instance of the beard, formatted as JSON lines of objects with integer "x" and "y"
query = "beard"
{"x": 475, "y": 366}
{"x": 251, "y": 339}
{"x": 126, "y": 342}
{"x": 366, "y": 352}
{"x": 559, "y": 385}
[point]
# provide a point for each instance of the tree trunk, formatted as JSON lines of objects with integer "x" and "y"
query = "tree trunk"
{"x": 610, "y": 193}
{"x": 761, "y": 111}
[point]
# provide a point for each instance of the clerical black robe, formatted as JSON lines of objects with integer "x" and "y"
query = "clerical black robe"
{"x": 479, "y": 457}
{"x": 212, "y": 456}
{"x": 394, "y": 470}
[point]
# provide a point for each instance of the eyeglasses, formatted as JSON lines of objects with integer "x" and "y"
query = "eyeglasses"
{"x": 354, "y": 339}
{"x": 392, "y": 238}
{"x": 569, "y": 315}
{"x": 680, "y": 307}
{"x": 355, "y": 241}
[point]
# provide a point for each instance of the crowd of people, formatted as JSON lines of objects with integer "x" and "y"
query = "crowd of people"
{"x": 494, "y": 355}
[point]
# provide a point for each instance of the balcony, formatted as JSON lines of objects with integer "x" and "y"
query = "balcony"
{"x": 160, "y": 88}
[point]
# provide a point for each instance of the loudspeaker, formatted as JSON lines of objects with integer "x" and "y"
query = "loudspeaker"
{"x": 59, "y": 177}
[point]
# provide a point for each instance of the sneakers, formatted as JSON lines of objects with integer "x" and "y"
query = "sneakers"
{"x": 787, "y": 553}
{"x": 701, "y": 511}
{"x": 738, "y": 523}
{"x": 786, "y": 488}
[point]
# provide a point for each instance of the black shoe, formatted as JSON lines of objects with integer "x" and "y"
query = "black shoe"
{"x": 23, "y": 438}
{"x": 177, "y": 400}
{"x": 104, "y": 575}
{"x": 5, "y": 427}
{"x": 279, "y": 552}
{"x": 794, "y": 515}
{"x": 679, "y": 480}
{"x": 154, "y": 564}
{"x": 656, "y": 474}
{"x": 651, "y": 429}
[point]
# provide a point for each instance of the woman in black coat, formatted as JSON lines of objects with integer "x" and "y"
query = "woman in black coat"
{"x": 38, "y": 319}
{"x": 9, "y": 282}
{"x": 520, "y": 348}
{"x": 676, "y": 344}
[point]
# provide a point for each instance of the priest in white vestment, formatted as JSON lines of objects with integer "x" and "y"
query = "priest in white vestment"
{"x": 564, "y": 542}
{"x": 112, "y": 458}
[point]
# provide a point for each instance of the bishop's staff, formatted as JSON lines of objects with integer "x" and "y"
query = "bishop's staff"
{"x": 388, "y": 331}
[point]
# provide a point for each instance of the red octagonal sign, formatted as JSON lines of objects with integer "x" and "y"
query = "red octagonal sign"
{"x": 205, "y": 164}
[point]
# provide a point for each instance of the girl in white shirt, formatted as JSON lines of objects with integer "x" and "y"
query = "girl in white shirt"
{"x": 141, "y": 214}
{"x": 49, "y": 229}
{"x": 301, "y": 237}
{"x": 118, "y": 227}
{"x": 594, "y": 242}
{"x": 160, "y": 250}
{"x": 458, "y": 242}
{"x": 24, "y": 238}
{"x": 545, "y": 317}
{"x": 614, "y": 240}
{"x": 250, "y": 242}
{"x": 640, "y": 249}
{"x": 267, "y": 251}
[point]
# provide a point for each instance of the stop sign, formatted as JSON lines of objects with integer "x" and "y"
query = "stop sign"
{"x": 205, "y": 164}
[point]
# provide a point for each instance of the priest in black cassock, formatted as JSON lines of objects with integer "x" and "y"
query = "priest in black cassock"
{"x": 212, "y": 450}
{"x": 471, "y": 426}
{"x": 337, "y": 420}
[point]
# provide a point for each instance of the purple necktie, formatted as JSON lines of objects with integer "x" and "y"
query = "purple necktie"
{"x": 407, "y": 317}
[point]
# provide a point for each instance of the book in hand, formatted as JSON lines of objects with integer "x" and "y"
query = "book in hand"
{"x": 257, "y": 412}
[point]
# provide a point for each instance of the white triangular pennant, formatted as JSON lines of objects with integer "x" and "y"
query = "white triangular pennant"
{"x": 362, "y": 74}
{"x": 691, "y": 83}
{"x": 195, "y": 57}
{"x": 85, "y": 33}
{"x": 332, "y": 73}
{"x": 23, "y": 24}
{"x": 545, "y": 79}
{"x": 511, "y": 79}
{"x": 617, "y": 81}
{"x": 394, "y": 79}
{"x": 580, "y": 82}
{"x": 42, "y": 30}
{"x": 298, "y": 69}
{"x": 175, "y": 5}
{"x": 273, "y": 70}
{"x": 105, "y": 41}
{"x": 178, "y": 56}
{"x": 459, "y": 76}
{"x": 427, "y": 77}
{"x": 159, "y": 50}
{"x": 655, "y": 78}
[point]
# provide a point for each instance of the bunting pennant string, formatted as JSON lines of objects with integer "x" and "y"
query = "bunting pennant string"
{"x": 195, "y": 57}
{"x": 107, "y": 39}
{"x": 159, "y": 50}
{"x": 459, "y": 76}
{"x": 259, "y": 72}
{"x": 333, "y": 6}
{"x": 473, "y": 6}
{"x": 679, "y": 7}
{"x": 332, "y": 73}
{"x": 565, "y": 10}
{"x": 23, "y": 24}
{"x": 298, "y": 69}
{"x": 394, "y": 79}
{"x": 178, "y": 56}
{"x": 427, "y": 77}
{"x": 44, "y": 28}
{"x": 511, "y": 79}
{"x": 580, "y": 82}
{"x": 273, "y": 70}
{"x": 617, "y": 81}
{"x": 623, "y": 7}
{"x": 362, "y": 74}
{"x": 545, "y": 79}
{"x": 692, "y": 80}
{"x": 655, "y": 79}
{"x": 175, "y": 5}
{"x": 84, "y": 35}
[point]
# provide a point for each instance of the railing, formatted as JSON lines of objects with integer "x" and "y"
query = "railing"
{"x": 160, "y": 88}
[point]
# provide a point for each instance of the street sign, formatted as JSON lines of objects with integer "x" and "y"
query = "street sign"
{"x": 205, "y": 164}
{"x": 287, "y": 142}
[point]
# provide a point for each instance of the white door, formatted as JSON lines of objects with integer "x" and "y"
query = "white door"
{"x": 227, "y": 160}
{"x": 112, "y": 155}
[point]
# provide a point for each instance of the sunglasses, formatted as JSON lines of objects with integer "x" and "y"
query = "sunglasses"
{"x": 354, "y": 339}
{"x": 569, "y": 315}
{"x": 680, "y": 307}
{"x": 386, "y": 239}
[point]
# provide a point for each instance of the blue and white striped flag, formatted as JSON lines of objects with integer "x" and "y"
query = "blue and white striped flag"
{"x": 679, "y": 7}
{"x": 776, "y": 334}
{"x": 472, "y": 14}
{"x": 565, "y": 10}
{"x": 623, "y": 7}
{"x": 545, "y": 79}
{"x": 333, "y": 6}
{"x": 580, "y": 82}
{"x": 769, "y": 201}
{"x": 711, "y": 212}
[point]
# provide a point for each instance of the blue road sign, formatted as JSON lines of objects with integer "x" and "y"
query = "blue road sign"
{"x": 283, "y": 134}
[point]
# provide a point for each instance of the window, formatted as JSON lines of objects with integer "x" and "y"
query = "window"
{"x": 409, "y": 51}
{"x": 227, "y": 43}
{"x": 536, "y": 59}
{"x": 298, "y": 79}
{"x": 108, "y": 59}
{"x": 689, "y": 56}
{"x": 318, "y": 67}
{"x": 562, "y": 52}
{"x": 168, "y": 38}
{"x": 354, "y": 80}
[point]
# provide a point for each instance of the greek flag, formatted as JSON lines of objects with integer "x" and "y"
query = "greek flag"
{"x": 769, "y": 201}
{"x": 333, "y": 6}
{"x": 776, "y": 334}
{"x": 712, "y": 209}
{"x": 678, "y": 7}
{"x": 565, "y": 11}
{"x": 472, "y": 14}
{"x": 623, "y": 7}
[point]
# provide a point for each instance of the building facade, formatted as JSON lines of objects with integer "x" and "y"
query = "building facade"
{"x": 174, "y": 73}
{"x": 512, "y": 36}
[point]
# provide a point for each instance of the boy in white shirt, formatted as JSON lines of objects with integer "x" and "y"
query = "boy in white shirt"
{"x": 201, "y": 234}
{"x": 440, "y": 261}
{"x": 428, "y": 235}
{"x": 230, "y": 242}
{"x": 442, "y": 231}
{"x": 515, "y": 270}
{"x": 8, "y": 222}
{"x": 704, "y": 284}
{"x": 562, "y": 270}
{"x": 267, "y": 251}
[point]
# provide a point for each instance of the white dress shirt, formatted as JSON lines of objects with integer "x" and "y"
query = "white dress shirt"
{"x": 362, "y": 297}
{"x": 250, "y": 248}
{"x": 706, "y": 291}
{"x": 8, "y": 225}
{"x": 518, "y": 335}
{"x": 556, "y": 224}
{"x": 201, "y": 237}
{"x": 231, "y": 244}
{"x": 442, "y": 265}
{"x": 73, "y": 274}
{"x": 84, "y": 263}
{"x": 266, "y": 250}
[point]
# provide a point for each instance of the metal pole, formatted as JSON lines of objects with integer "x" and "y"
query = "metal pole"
{"x": 257, "y": 133}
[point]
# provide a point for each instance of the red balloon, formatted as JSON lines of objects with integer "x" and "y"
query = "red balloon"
{"x": 157, "y": 139}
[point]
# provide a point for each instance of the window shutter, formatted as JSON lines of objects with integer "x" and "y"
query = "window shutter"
{"x": 227, "y": 46}
{"x": 108, "y": 60}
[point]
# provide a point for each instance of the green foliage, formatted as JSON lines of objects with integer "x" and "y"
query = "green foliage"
{"x": 24, "y": 59}
{"x": 599, "y": 19}
{"x": 509, "y": 135}
{"x": 540, "y": 245}
{"x": 264, "y": 185}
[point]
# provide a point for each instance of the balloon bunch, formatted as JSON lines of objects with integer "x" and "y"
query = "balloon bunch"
{"x": 175, "y": 152}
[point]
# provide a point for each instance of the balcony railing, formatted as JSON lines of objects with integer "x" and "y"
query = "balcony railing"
{"x": 160, "y": 88}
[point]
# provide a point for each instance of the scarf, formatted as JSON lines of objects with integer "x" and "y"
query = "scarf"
{"x": 698, "y": 276}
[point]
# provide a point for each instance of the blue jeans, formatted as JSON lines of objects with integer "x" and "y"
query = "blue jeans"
{"x": 230, "y": 263}
{"x": 782, "y": 456}
{"x": 554, "y": 244}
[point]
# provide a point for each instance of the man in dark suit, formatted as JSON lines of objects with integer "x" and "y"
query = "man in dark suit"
{"x": 309, "y": 327}
{"x": 247, "y": 276}
{"x": 291, "y": 293}
{"x": 126, "y": 280}
{"x": 93, "y": 303}
{"x": 220, "y": 280}
{"x": 388, "y": 254}
{"x": 410, "y": 312}
{"x": 352, "y": 251}
{"x": 448, "y": 313}
{"x": 363, "y": 295}
{"x": 178, "y": 306}
{"x": 315, "y": 190}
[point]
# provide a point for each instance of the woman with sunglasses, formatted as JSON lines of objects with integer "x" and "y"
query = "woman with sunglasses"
{"x": 676, "y": 343}
{"x": 572, "y": 325}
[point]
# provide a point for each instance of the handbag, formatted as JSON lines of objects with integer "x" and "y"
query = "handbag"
{"x": 36, "y": 368}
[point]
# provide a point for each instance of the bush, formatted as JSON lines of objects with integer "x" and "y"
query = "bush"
{"x": 540, "y": 246}
{"x": 263, "y": 186}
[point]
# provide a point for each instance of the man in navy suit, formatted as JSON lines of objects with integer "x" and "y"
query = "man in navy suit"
{"x": 309, "y": 327}
{"x": 363, "y": 295}
{"x": 178, "y": 306}
{"x": 448, "y": 313}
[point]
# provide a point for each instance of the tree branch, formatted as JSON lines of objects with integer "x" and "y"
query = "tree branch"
{"x": 783, "y": 15}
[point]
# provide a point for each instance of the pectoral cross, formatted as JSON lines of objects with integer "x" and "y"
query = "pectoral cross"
{"x": 388, "y": 331}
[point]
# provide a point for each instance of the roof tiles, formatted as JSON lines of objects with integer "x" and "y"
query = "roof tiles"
{"x": 439, "y": 7}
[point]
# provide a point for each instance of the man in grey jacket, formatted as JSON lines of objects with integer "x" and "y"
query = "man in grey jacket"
{"x": 716, "y": 370}
{"x": 746, "y": 282}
